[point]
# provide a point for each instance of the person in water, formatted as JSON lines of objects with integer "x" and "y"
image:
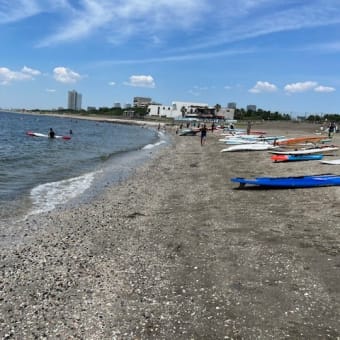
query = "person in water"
{"x": 51, "y": 133}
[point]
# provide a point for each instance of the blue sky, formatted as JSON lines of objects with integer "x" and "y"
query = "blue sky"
{"x": 281, "y": 55}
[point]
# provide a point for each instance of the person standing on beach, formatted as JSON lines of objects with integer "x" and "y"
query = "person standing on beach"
{"x": 331, "y": 130}
{"x": 203, "y": 134}
{"x": 248, "y": 127}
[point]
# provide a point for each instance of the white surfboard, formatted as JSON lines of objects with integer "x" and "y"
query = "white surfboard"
{"x": 332, "y": 162}
{"x": 318, "y": 150}
{"x": 250, "y": 147}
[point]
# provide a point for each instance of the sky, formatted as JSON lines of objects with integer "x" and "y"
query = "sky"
{"x": 280, "y": 55}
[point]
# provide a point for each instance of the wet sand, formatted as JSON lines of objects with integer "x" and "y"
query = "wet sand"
{"x": 177, "y": 252}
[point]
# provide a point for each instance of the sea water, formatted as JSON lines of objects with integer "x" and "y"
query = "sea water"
{"x": 39, "y": 174}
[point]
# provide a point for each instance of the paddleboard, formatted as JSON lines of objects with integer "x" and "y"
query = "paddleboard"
{"x": 296, "y": 140}
{"x": 290, "y": 182}
{"x": 37, "y": 134}
{"x": 294, "y": 158}
{"x": 249, "y": 147}
{"x": 188, "y": 132}
{"x": 319, "y": 150}
{"x": 331, "y": 162}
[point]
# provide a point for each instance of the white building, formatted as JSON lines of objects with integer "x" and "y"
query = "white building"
{"x": 179, "y": 110}
{"x": 227, "y": 113}
{"x": 74, "y": 100}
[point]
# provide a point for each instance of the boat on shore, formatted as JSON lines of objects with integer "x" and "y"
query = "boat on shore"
{"x": 295, "y": 158}
{"x": 297, "y": 140}
{"x": 331, "y": 162}
{"x": 324, "y": 150}
{"x": 250, "y": 147}
{"x": 322, "y": 180}
{"x": 188, "y": 132}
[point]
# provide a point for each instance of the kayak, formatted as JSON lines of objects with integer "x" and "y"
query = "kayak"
{"x": 317, "y": 150}
{"x": 290, "y": 182}
{"x": 294, "y": 158}
{"x": 37, "y": 134}
{"x": 331, "y": 162}
{"x": 297, "y": 140}
{"x": 188, "y": 132}
{"x": 249, "y": 147}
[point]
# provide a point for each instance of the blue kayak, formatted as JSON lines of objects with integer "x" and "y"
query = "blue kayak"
{"x": 322, "y": 180}
{"x": 294, "y": 158}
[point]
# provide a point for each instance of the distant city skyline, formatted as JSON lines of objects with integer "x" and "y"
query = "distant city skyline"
{"x": 278, "y": 55}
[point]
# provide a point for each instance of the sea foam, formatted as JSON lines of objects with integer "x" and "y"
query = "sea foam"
{"x": 46, "y": 197}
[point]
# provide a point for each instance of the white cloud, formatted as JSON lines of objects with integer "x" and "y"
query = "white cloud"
{"x": 239, "y": 20}
{"x": 263, "y": 86}
{"x": 30, "y": 71}
{"x": 197, "y": 90}
{"x": 121, "y": 19}
{"x": 7, "y": 76}
{"x": 112, "y": 83}
{"x": 141, "y": 81}
{"x": 65, "y": 75}
{"x": 300, "y": 87}
{"x": 194, "y": 93}
{"x": 324, "y": 89}
{"x": 175, "y": 58}
{"x": 50, "y": 90}
{"x": 18, "y": 9}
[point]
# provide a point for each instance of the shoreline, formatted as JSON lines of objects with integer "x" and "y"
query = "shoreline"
{"x": 99, "y": 118}
{"x": 111, "y": 173}
{"x": 176, "y": 252}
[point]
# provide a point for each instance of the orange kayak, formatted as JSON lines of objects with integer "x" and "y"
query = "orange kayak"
{"x": 297, "y": 140}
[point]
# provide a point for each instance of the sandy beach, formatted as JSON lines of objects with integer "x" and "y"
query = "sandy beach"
{"x": 178, "y": 252}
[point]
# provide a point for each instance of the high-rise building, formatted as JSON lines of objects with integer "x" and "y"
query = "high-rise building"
{"x": 251, "y": 108}
{"x": 232, "y": 105}
{"x": 74, "y": 100}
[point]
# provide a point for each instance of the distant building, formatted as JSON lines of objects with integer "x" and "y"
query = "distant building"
{"x": 189, "y": 110}
{"x": 74, "y": 100}
{"x": 91, "y": 108}
{"x": 231, "y": 106}
{"x": 141, "y": 101}
{"x": 117, "y": 105}
{"x": 226, "y": 113}
{"x": 251, "y": 108}
{"x": 176, "y": 110}
{"x": 129, "y": 113}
